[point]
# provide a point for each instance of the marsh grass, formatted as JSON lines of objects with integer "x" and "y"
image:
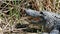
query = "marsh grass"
{"x": 15, "y": 8}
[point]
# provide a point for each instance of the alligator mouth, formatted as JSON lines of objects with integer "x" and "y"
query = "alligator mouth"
{"x": 21, "y": 25}
{"x": 32, "y": 30}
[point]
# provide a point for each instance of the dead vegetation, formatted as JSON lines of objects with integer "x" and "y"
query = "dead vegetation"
{"x": 12, "y": 14}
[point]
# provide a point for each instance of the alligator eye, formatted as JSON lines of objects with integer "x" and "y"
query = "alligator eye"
{"x": 41, "y": 12}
